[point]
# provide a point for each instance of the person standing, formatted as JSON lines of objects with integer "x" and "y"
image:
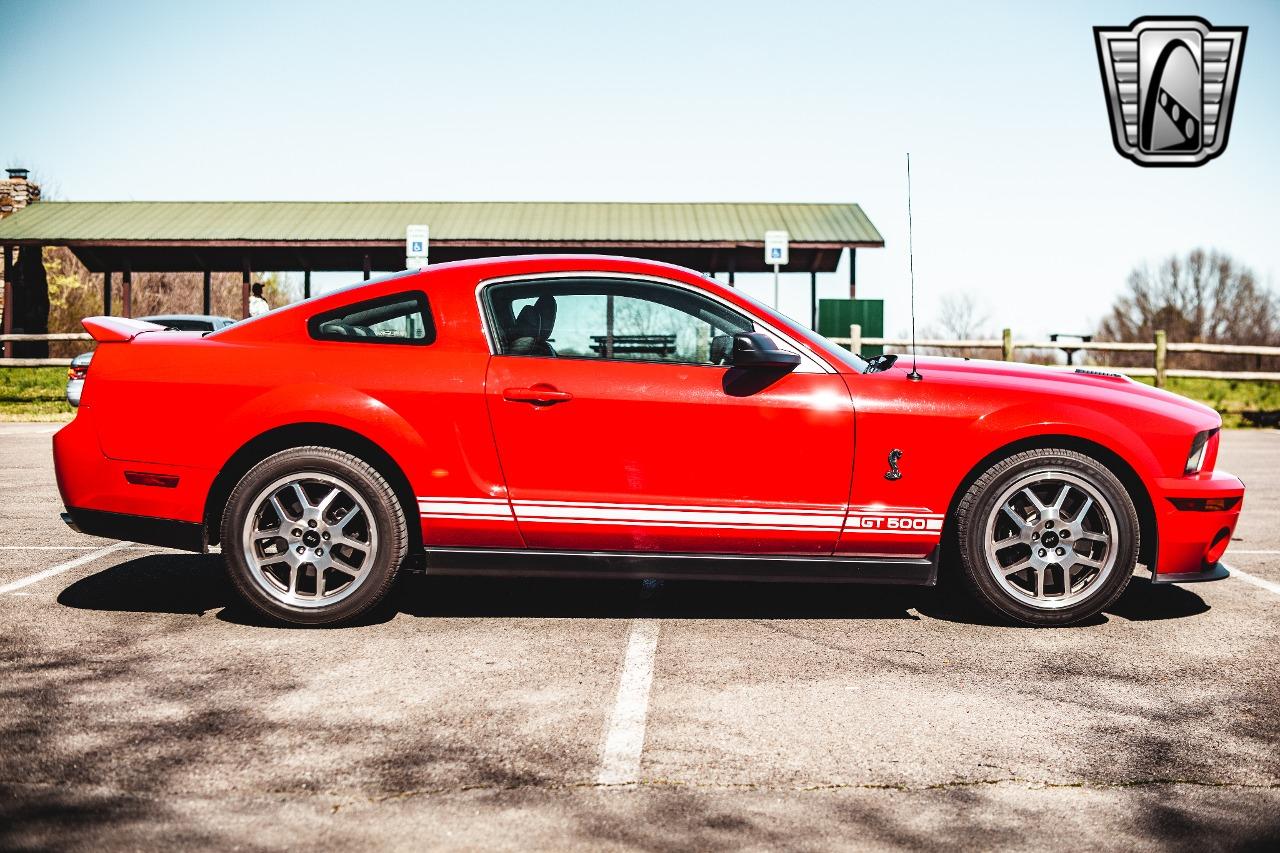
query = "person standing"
{"x": 257, "y": 304}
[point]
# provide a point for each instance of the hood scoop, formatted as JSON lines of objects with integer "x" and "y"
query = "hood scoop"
{"x": 1106, "y": 373}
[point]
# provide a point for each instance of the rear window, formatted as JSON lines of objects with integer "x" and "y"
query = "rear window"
{"x": 184, "y": 325}
{"x": 402, "y": 318}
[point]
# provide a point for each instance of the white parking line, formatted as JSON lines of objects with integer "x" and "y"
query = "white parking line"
{"x": 1269, "y": 586}
{"x": 624, "y": 739}
{"x": 71, "y": 547}
{"x": 60, "y": 568}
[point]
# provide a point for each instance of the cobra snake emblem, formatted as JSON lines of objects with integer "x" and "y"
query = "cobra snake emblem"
{"x": 893, "y": 473}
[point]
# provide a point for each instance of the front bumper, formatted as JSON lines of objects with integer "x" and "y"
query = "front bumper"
{"x": 1186, "y": 538}
{"x": 1215, "y": 572}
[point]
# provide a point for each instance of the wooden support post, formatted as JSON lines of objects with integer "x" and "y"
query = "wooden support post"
{"x": 733, "y": 266}
{"x": 608, "y": 325}
{"x": 367, "y": 269}
{"x": 813, "y": 299}
{"x": 245, "y": 275}
{"x": 306, "y": 284}
{"x": 207, "y": 293}
{"x": 855, "y": 338}
{"x": 106, "y": 293}
{"x": 1162, "y": 353}
{"x": 1006, "y": 345}
{"x": 126, "y": 293}
{"x": 853, "y": 273}
{"x": 9, "y": 270}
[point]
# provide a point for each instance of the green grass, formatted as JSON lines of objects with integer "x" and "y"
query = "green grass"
{"x": 34, "y": 394}
{"x": 37, "y": 394}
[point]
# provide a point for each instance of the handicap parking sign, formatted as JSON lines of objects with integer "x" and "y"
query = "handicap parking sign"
{"x": 776, "y": 247}
{"x": 416, "y": 240}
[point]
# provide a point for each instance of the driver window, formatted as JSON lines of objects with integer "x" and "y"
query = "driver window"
{"x": 612, "y": 319}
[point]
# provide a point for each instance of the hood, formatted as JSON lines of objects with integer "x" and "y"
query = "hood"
{"x": 1095, "y": 386}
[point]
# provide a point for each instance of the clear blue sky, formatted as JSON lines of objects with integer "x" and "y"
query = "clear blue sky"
{"x": 1019, "y": 194}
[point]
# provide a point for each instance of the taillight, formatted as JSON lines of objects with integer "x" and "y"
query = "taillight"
{"x": 150, "y": 478}
{"x": 1205, "y": 504}
{"x": 77, "y": 371}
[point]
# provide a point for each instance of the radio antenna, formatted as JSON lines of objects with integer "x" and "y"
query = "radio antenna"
{"x": 914, "y": 375}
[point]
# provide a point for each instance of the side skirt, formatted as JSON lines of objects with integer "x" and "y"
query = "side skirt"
{"x": 727, "y": 567}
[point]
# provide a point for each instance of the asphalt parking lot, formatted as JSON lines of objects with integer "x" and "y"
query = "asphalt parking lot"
{"x": 141, "y": 706}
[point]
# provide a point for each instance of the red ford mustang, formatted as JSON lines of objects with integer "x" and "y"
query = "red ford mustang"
{"x": 592, "y": 416}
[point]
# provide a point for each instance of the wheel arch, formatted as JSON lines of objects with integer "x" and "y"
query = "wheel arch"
{"x": 301, "y": 435}
{"x": 1148, "y": 531}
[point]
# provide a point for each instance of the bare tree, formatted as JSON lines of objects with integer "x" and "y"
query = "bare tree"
{"x": 1204, "y": 297}
{"x": 961, "y": 316}
{"x": 76, "y": 293}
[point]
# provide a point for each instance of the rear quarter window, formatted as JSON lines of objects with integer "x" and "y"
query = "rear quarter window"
{"x": 401, "y": 318}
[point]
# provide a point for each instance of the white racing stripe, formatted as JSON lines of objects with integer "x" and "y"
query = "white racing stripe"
{"x": 1269, "y": 586}
{"x": 814, "y": 518}
{"x": 704, "y": 525}
{"x": 61, "y": 567}
{"x": 809, "y": 510}
{"x": 624, "y": 739}
{"x": 934, "y": 532}
{"x": 71, "y": 547}
{"x": 682, "y": 516}
{"x": 468, "y": 516}
{"x": 430, "y": 499}
{"x": 435, "y": 507}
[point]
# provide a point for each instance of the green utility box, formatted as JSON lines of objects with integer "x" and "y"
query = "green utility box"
{"x": 835, "y": 316}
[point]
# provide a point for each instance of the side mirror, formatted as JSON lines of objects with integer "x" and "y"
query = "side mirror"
{"x": 722, "y": 349}
{"x": 756, "y": 349}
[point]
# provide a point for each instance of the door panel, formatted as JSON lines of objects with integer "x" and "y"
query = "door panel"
{"x": 639, "y": 456}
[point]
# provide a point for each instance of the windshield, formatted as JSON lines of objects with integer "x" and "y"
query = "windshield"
{"x": 805, "y": 335}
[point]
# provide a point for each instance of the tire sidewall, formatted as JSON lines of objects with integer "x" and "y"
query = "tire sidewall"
{"x": 372, "y": 488}
{"x": 979, "y": 503}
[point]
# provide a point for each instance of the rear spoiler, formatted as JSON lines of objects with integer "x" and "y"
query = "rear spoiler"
{"x": 106, "y": 330}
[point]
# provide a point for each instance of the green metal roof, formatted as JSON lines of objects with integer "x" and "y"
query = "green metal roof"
{"x": 594, "y": 222}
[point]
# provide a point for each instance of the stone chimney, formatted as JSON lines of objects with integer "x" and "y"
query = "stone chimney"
{"x": 16, "y": 192}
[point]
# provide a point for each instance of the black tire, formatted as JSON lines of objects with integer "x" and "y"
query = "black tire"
{"x": 1017, "y": 597}
{"x": 319, "y": 468}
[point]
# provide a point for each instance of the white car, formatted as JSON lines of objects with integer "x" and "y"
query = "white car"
{"x": 182, "y": 322}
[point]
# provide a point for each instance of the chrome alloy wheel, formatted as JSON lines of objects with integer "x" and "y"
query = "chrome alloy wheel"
{"x": 1051, "y": 540}
{"x": 309, "y": 539}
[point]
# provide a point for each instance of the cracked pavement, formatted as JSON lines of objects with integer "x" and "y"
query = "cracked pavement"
{"x": 141, "y": 706}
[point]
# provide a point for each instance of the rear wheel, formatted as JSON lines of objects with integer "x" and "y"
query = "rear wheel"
{"x": 313, "y": 536}
{"x": 1047, "y": 537}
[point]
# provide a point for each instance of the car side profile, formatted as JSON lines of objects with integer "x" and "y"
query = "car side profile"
{"x": 598, "y": 416}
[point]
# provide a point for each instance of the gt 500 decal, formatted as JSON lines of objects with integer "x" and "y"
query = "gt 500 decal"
{"x": 894, "y": 523}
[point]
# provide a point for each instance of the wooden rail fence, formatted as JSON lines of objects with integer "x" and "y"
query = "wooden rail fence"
{"x": 1159, "y": 348}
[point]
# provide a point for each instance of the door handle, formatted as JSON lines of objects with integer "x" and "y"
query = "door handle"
{"x": 537, "y": 396}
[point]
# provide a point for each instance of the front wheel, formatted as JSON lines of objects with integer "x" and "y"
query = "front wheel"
{"x": 1047, "y": 537}
{"x": 313, "y": 536}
